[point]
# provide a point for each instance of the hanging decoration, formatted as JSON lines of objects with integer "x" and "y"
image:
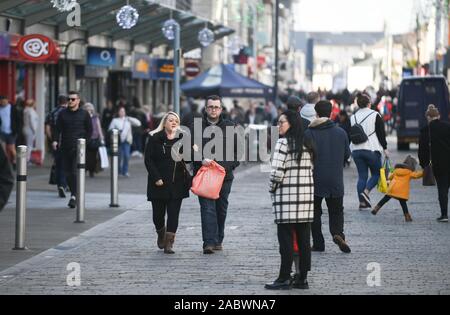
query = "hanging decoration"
{"x": 206, "y": 37}
{"x": 127, "y": 17}
{"x": 168, "y": 29}
{"x": 62, "y": 5}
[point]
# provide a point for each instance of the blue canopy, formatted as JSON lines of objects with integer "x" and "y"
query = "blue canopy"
{"x": 224, "y": 81}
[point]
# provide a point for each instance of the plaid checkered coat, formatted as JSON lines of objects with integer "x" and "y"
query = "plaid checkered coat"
{"x": 291, "y": 186}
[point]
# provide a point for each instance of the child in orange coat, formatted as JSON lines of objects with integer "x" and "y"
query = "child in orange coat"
{"x": 400, "y": 184}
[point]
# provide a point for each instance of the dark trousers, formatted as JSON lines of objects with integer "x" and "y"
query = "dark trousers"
{"x": 336, "y": 219}
{"x": 303, "y": 232}
{"x": 214, "y": 214}
{"x": 402, "y": 203}
{"x": 69, "y": 160}
{"x": 172, "y": 208}
{"x": 443, "y": 185}
{"x": 59, "y": 169}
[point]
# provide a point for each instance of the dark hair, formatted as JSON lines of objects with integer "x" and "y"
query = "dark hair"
{"x": 74, "y": 92}
{"x": 312, "y": 97}
{"x": 323, "y": 109}
{"x": 119, "y": 108}
{"x": 294, "y": 103}
{"x": 294, "y": 135}
{"x": 213, "y": 98}
{"x": 62, "y": 99}
{"x": 363, "y": 100}
{"x": 3, "y": 97}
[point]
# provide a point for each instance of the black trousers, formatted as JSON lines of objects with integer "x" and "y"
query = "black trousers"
{"x": 402, "y": 203}
{"x": 172, "y": 208}
{"x": 336, "y": 219}
{"x": 69, "y": 160}
{"x": 443, "y": 185}
{"x": 303, "y": 232}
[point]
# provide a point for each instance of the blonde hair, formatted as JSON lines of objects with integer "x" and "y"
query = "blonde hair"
{"x": 163, "y": 122}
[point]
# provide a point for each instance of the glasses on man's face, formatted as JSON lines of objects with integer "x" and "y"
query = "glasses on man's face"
{"x": 214, "y": 108}
{"x": 73, "y": 99}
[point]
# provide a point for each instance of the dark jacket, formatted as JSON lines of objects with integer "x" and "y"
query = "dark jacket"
{"x": 440, "y": 146}
{"x": 228, "y": 165}
{"x": 332, "y": 150}
{"x": 161, "y": 166}
{"x": 71, "y": 126}
{"x": 6, "y": 179}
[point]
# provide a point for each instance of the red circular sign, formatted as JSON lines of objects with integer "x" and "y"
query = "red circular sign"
{"x": 36, "y": 47}
{"x": 192, "y": 68}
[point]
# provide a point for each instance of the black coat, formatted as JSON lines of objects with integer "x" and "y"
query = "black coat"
{"x": 160, "y": 165}
{"x": 6, "y": 179}
{"x": 440, "y": 146}
{"x": 228, "y": 165}
{"x": 332, "y": 150}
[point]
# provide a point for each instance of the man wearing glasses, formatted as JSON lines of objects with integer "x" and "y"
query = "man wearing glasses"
{"x": 73, "y": 123}
{"x": 213, "y": 212}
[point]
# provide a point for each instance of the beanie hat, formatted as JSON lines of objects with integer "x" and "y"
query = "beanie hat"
{"x": 410, "y": 163}
{"x": 432, "y": 112}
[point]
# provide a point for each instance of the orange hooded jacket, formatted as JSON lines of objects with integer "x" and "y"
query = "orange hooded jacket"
{"x": 399, "y": 185}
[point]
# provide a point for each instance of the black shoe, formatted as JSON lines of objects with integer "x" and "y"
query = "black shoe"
{"x": 208, "y": 250}
{"x": 443, "y": 219}
{"x": 61, "y": 192}
{"x": 342, "y": 244}
{"x": 279, "y": 285}
{"x": 72, "y": 202}
{"x": 366, "y": 198}
{"x": 318, "y": 249}
{"x": 301, "y": 284}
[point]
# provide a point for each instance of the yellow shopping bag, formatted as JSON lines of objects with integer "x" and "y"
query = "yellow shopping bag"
{"x": 382, "y": 182}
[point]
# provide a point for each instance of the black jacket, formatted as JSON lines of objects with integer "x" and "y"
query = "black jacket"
{"x": 71, "y": 126}
{"x": 6, "y": 179}
{"x": 161, "y": 166}
{"x": 228, "y": 165}
{"x": 440, "y": 146}
{"x": 332, "y": 150}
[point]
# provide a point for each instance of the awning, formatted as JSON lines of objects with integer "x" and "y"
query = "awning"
{"x": 99, "y": 17}
{"x": 224, "y": 81}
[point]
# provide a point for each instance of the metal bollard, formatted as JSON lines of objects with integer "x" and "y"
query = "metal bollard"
{"x": 81, "y": 179}
{"x": 21, "y": 198}
{"x": 114, "y": 169}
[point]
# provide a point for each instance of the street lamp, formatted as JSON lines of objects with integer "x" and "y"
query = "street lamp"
{"x": 277, "y": 26}
{"x": 171, "y": 31}
{"x": 66, "y": 61}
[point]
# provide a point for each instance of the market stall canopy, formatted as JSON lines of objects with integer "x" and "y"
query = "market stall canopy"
{"x": 224, "y": 81}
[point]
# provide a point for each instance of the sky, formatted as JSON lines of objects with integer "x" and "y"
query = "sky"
{"x": 355, "y": 15}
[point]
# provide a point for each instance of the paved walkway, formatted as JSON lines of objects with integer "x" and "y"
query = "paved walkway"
{"x": 120, "y": 255}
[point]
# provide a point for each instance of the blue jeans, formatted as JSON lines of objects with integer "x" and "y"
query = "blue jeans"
{"x": 364, "y": 161}
{"x": 214, "y": 213}
{"x": 124, "y": 158}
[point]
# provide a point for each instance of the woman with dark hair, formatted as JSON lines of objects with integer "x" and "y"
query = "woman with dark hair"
{"x": 368, "y": 139}
{"x": 292, "y": 192}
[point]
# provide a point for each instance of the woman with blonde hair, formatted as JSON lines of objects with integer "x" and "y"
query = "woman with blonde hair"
{"x": 168, "y": 180}
{"x": 97, "y": 140}
{"x": 30, "y": 125}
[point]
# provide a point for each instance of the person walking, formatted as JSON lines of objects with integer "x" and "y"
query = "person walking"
{"x": 50, "y": 130}
{"x": 399, "y": 186}
{"x": 368, "y": 143}
{"x": 434, "y": 150}
{"x": 332, "y": 151}
{"x": 6, "y": 178}
{"x": 308, "y": 112}
{"x": 214, "y": 212}
{"x": 168, "y": 180}
{"x": 292, "y": 192}
{"x": 9, "y": 127}
{"x": 295, "y": 104}
{"x": 73, "y": 123}
{"x": 30, "y": 125}
{"x": 97, "y": 139}
{"x": 124, "y": 124}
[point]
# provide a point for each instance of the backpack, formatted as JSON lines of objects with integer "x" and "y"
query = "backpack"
{"x": 357, "y": 133}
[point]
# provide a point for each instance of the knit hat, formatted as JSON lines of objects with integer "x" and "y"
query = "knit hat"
{"x": 432, "y": 112}
{"x": 410, "y": 163}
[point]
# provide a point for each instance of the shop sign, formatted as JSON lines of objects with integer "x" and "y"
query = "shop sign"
{"x": 37, "y": 48}
{"x": 141, "y": 67}
{"x": 192, "y": 68}
{"x": 5, "y": 43}
{"x": 162, "y": 69}
{"x": 103, "y": 57}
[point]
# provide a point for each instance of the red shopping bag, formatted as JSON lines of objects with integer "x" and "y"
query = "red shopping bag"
{"x": 294, "y": 239}
{"x": 208, "y": 181}
{"x": 36, "y": 157}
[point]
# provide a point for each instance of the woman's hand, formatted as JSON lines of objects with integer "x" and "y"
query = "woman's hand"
{"x": 159, "y": 183}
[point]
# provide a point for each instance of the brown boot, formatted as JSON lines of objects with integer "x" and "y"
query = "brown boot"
{"x": 161, "y": 237}
{"x": 408, "y": 217}
{"x": 170, "y": 239}
{"x": 376, "y": 209}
